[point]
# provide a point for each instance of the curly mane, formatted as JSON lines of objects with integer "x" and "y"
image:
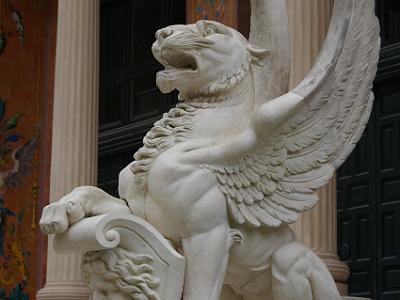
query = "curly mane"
{"x": 175, "y": 127}
{"x": 131, "y": 274}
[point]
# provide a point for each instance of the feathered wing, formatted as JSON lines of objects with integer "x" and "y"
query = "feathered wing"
{"x": 277, "y": 180}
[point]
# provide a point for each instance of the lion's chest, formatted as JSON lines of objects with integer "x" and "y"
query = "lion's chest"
{"x": 177, "y": 193}
{"x": 167, "y": 175}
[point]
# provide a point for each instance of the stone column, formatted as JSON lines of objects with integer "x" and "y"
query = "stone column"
{"x": 74, "y": 141}
{"x": 309, "y": 21}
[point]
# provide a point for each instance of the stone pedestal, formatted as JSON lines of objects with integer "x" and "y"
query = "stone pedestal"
{"x": 74, "y": 142}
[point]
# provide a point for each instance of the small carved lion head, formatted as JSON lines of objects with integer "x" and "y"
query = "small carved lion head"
{"x": 204, "y": 58}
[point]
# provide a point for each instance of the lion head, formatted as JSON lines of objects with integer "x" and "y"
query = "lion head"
{"x": 203, "y": 59}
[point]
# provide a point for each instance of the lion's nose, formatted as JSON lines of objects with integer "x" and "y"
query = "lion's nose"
{"x": 162, "y": 34}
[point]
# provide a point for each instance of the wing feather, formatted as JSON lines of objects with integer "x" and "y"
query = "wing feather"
{"x": 277, "y": 180}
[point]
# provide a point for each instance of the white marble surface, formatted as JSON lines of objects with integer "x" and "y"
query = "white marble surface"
{"x": 157, "y": 271}
{"x": 224, "y": 173}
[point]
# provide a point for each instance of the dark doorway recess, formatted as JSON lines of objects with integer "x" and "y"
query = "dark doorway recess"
{"x": 129, "y": 100}
{"x": 369, "y": 182}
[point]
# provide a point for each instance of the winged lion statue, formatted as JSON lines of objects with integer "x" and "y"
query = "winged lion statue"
{"x": 224, "y": 173}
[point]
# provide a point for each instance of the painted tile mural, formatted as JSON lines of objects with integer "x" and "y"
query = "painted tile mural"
{"x": 26, "y": 89}
{"x": 224, "y": 11}
{"x": 17, "y": 218}
{"x": 210, "y": 10}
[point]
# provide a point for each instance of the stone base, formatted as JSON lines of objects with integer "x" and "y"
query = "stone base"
{"x": 63, "y": 291}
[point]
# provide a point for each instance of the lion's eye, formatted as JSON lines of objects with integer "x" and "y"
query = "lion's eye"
{"x": 210, "y": 30}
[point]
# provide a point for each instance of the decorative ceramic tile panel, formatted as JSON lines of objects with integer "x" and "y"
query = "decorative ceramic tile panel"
{"x": 224, "y": 11}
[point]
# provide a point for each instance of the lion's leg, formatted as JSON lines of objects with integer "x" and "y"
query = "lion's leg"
{"x": 206, "y": 262}
{"x": 297, "y": 273}
{"x": 263, "y": 294}
{"x": 257, "y": 296}
{"x": 259, "y": 288}
{"x": 82, "y": 202}
{"x": 227, "y": 293}
{"x": 290, "y": 274}
{"x": 323, "y": 284}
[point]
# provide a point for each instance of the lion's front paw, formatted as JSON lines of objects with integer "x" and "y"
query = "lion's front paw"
{"x": 57, "y": 217}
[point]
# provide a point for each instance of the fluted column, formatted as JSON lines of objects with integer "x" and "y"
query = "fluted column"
{"x": 74, "y": 139}
{"x": 309, "y": 21}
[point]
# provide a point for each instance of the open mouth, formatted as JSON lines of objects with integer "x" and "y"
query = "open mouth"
{"x": 177, "y": 61}
{"x": 178, "y": 65}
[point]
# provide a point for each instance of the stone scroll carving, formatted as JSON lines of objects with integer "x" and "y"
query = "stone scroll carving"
{"x": 224, "y": 173}
{"x": 124, "y": 256}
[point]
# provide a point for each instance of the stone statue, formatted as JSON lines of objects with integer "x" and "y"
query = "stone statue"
{"x": 128, "y": 274}
{"x": 223, "y": 174}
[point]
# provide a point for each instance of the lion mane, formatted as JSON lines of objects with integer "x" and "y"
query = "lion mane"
{"x": 130, "y": 274}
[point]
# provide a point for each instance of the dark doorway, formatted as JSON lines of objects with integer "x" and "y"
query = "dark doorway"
{"x": 369, "y": 182}
{"x": 129, "y": 100}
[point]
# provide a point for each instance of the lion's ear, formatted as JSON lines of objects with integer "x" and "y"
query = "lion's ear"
{"x": 259, "y": 56}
